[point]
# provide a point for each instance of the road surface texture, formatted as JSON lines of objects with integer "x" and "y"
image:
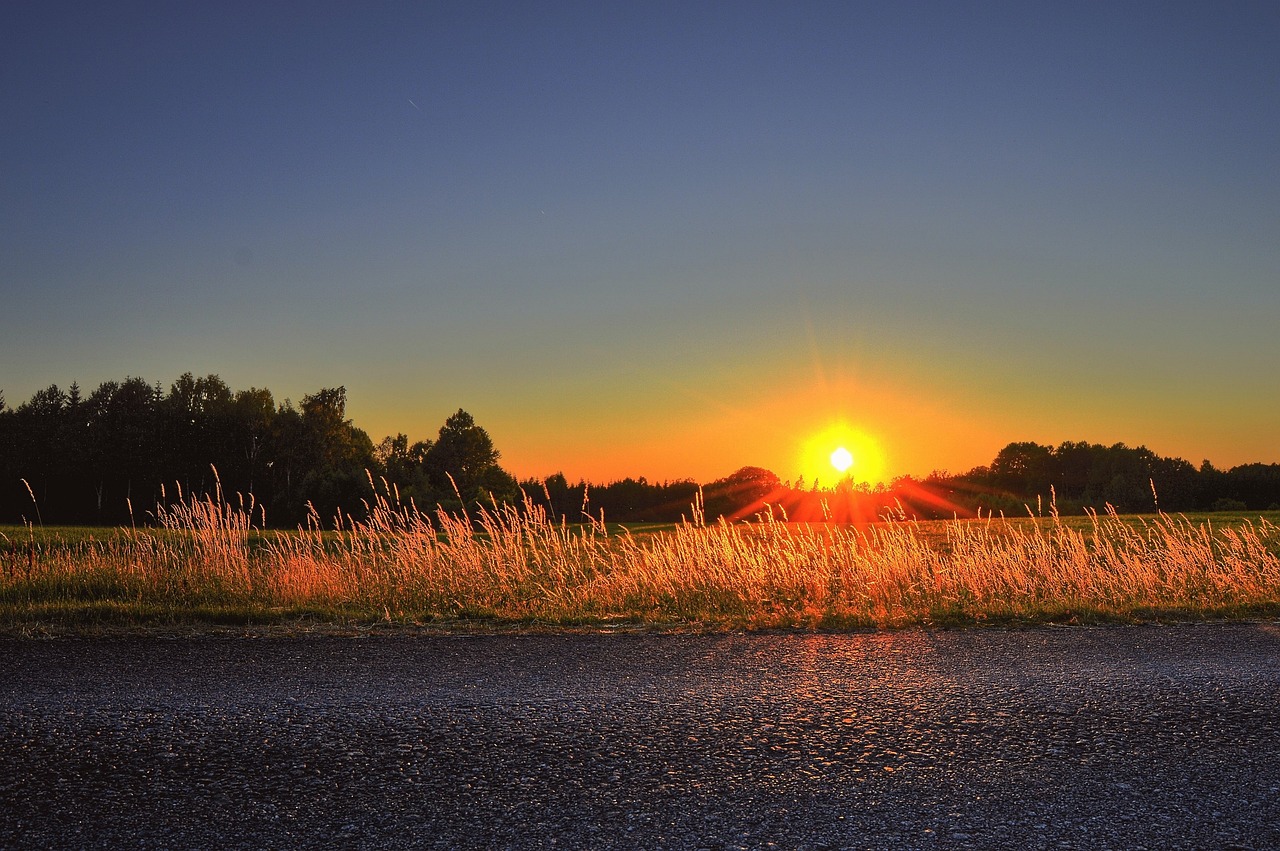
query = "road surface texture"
{"x": 1140, "y": 737}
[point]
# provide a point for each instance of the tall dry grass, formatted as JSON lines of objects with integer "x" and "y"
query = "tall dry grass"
{"x": 204, "y": 559}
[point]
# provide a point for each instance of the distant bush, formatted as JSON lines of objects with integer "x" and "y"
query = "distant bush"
{"x": 1228, "y": 504}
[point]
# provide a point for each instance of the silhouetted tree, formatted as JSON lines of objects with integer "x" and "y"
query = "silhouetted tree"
{"x": 124, "y": 457}
{"x": 404, "y": 465}
{"x": 1256, "y": 485}
{"x": 1213, "y": 484}
{"x": 197, "y": 425}
{"x": 463, "y": 457}
{"x": 743, "y": 492}
{"x": 562, "y": 500}
{"x": 252, "y": 413}
{"x": 336, "y": 455}
{"x": 1025, "y": 468}
{"x": 36, "y": 425}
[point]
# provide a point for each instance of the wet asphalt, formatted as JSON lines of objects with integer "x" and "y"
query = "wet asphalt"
{"x": 1134, "y": 737}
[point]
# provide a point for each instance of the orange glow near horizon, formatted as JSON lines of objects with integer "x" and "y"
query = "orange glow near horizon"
{"x": 782, "y": 420}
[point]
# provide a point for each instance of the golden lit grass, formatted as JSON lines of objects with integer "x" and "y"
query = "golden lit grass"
{"x": 206, "y": 564}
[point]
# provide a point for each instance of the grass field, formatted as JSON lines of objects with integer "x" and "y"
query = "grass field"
{"x": 203, "y": 564}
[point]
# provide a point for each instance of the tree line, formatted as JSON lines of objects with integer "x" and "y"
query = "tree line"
{"x": 112, "y": 456}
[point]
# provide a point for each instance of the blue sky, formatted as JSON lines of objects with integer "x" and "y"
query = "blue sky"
{"x": 661, "y": 239}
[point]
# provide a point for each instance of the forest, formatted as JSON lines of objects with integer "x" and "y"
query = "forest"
{"x": 113, "y": 456}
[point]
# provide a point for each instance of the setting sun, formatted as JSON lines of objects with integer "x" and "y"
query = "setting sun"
{"x": 846, "y": 452}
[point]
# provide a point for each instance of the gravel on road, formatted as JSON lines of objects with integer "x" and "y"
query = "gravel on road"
{"x": 1130, "y": 737}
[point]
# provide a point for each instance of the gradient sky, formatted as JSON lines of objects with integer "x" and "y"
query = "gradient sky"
{"x": 661, "y": 240}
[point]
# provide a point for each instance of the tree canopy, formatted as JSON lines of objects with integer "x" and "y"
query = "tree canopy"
{"x": 112, "y": 457}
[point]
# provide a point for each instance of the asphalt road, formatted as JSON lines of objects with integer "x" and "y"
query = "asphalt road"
{"x": 1151, "y": 737}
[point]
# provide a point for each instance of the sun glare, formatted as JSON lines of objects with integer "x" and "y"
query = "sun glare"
{"x": 841, "y": 452}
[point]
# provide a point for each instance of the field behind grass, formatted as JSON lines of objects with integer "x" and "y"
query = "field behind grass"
{"x": 203, "y": 564}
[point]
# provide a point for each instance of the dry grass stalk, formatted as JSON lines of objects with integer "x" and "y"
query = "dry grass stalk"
{"x": 517, "y": 563}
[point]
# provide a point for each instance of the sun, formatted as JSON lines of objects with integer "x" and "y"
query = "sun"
{"x": 841, "y": 452}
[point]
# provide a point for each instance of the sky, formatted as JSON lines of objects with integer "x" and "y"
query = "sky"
{"x": 663, "y": 239}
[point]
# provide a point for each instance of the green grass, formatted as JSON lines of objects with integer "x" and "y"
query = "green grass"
{"x": 205, "y": 566}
